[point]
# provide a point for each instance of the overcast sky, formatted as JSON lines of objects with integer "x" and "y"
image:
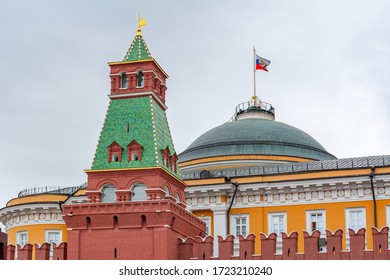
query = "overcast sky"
{"x": 329, "y": 74}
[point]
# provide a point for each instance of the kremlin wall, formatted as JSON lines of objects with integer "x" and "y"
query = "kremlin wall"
{"x": 252, "y": 188}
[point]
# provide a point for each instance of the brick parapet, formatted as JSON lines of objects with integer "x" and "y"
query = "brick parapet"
{"x": 25, "y": 252}
{"x": 60, "y": 251}
{"x": 290, "y": 244}
{"x": 11, "y": 252}
{"x": 159, "y": 212}
{"x": 42, "y": 252}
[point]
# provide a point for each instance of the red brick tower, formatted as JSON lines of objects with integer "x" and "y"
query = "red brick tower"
{"x": 135, "y": 206}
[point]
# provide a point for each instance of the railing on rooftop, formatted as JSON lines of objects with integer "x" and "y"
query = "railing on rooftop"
{"x": 51, "y": 190}
{"x": 254, "y": 105}
{"x": 336, "y": 164}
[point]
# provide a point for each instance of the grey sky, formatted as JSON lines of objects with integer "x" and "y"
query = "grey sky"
{"x": 329, "y": 74}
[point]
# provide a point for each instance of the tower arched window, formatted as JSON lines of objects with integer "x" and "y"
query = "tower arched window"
{"x": 139, "y": 192}
{"x": 108, "y": 193}
{"x": 140, "y": 79}
{"x": 177, "y": 197}
{"x": 166, "y": 190}
{"x": 124, "y": 80}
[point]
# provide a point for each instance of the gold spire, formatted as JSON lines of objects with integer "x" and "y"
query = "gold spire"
{"x": 141, "y": 22}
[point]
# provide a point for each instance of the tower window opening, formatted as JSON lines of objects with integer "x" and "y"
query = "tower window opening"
{"x": 108, "y": 194}
{"x": 140, "y": 79}
{"x": 124, "y": 80}
{"x": 115, "y": 157}
{"x": 134, "y": 156}
{"x": 139, "y": 192}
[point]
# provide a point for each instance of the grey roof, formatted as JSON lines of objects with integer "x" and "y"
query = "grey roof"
{"x": 289, "y": 168}
{"x": 255, "y": 136}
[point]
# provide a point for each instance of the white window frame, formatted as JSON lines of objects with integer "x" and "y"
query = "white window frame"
{"x": 47, "y": 232}
{"x": 348, "y": 222}
{"x": 233, "y": 224}
{"x": 309, "y": 227}
{"x": 279, "y": 235}
{"x": 18, "y": 237}
{"x": 232, "y": 228}
{"x": 309, "y": 213}
{"x": 207, "y": 220}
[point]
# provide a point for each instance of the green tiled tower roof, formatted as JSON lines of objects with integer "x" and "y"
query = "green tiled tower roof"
{"x": 138, "y": 49}
{"x": 140, "y": 119}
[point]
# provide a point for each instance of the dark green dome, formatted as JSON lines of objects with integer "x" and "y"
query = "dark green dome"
{"x": 255, "y": 136}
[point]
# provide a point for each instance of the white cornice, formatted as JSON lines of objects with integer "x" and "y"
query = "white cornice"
{"x": 31, "y": 214}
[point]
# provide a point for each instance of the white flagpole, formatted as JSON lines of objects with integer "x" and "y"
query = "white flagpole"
{"x": 254, "y": 73}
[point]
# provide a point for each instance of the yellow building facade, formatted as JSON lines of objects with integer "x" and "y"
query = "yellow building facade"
{"x": 35, "y": 216}
{"x": 256, "y": 175}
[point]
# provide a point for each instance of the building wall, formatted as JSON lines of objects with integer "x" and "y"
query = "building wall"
{"x": 36, "y": 233}
{"x": 3, "y": 245}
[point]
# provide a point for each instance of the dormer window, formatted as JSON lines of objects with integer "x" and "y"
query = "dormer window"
{"x": 124, "y": 80}
{"x": 134, "y": 151}
{"x": 140, "y": 79}
{"x": 114, "y": 152}
{"x": 165, "y": 156}
{"x": 173, "y": 160}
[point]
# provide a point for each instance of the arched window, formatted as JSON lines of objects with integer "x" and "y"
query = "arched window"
{"x": 177, "y": 197}
{"x": 139, "y": 192}
{"x": 166, "y": 190}
{"x": 140, "y": 79}
{"x": 124, "y": 81}
{"x": 108, "y": 193}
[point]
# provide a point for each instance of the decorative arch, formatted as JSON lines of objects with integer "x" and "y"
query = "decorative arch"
{"x": 133, "y": 181}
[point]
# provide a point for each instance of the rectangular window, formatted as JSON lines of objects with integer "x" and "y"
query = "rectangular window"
{"x": 355, "y": 219}
{"x": 22, "y": 238}
{"x": 315, "y": 220}
{"x": 53, "y": 236}
{"x": 277, "y": 223}
{"x": 240, "y": 226}
{"x": 207, "y": 220}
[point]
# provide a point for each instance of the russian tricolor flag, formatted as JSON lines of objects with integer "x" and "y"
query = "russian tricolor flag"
{"x": 261, "y": 63}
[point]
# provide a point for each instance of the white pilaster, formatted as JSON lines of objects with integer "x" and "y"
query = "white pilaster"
{"x": 220, "y": 225}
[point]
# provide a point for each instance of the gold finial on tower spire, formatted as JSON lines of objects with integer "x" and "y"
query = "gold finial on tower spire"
{"x": 141, "y": 22}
